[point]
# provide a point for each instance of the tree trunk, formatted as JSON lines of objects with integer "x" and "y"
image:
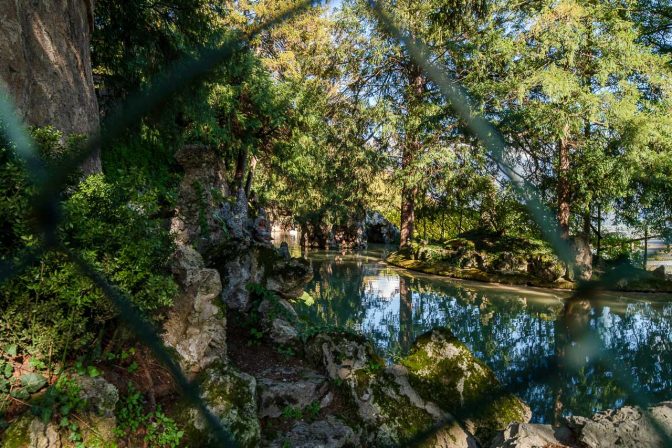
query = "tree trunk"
{"x": 250, "y": 176}
{"x": 411, "y": 149}
{"x": 599, "y": 230}
{"x": 46, "y": 66}
{"x": 563, "y": 187}
{"x": 407, "y": 215}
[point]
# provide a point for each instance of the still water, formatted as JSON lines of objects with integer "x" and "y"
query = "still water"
{"x": 609, "y": 354}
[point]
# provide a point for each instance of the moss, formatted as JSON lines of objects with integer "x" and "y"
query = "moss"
{"x": 230, "y": 396}
{"x": 449, "y": 269}
{"x": 443, "y": 370}
{"x": 18, "y": 434}
{"x": 401, "y": 420}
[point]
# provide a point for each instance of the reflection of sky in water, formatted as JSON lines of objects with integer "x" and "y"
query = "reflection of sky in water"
{"x": 516, "y": 332}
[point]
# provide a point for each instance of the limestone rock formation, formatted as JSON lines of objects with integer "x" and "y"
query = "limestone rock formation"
{"x": 441, "y": 367}
{"x": 278, "y": 319}
{"x": 231, "y": 397}
{"x": 97, "y": 421}
{"x": 328, "y": 433}
{"x": 288, "y": 277}
{"x": 628, "y": 427}
{"x": 392, "y": 411}
{"x": 528, "y": 435}
{"x": 196, "y": 325}
{"x": 282, "y": 387}
{"x": 379, "y": 229}
{"x": 201, "y": 194}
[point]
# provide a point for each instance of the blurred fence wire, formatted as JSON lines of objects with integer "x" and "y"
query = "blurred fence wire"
{"x": 191, "y": 69}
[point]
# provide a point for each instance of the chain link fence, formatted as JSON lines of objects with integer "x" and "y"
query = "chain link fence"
{"x": 50, "y": 182}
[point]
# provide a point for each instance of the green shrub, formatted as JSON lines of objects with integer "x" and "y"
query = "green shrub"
{"x": 51, "y": 309}
{"x": 160, "y": 431}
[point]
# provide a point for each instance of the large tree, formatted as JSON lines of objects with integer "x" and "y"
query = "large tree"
{"x": 578, "y": 102}
{"x": 420, "y": 125}
{"x": 45, "y": 65}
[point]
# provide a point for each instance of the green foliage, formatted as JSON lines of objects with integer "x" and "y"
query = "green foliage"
{"x": 160, "y": 431}
{"x": 292, "y": 413}
{"x": 51, "y": 307}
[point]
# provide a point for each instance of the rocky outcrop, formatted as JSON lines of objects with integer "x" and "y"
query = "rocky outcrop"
{"x": 350, "y": 235}
{"x": 441, "y": 367}
{"x": 492, "y": 259}
{"x": 355, "y": 233}
{"x": 328, "y": 433}
{"x": 528, "y": 435}
{"x": 96, "y": 420}
{"x": 202, "y": 192}
{"x": 627, "y": 427}
{"x": 279, "y": 319}
{"x": 379, "y": 229}
{"x": 196, "y": 325}
{"x": 242, "y": 265}
{"x": 298, "y": 388}
{"x": 288, "y": 277}
{"x": 391, "y": 408}
{"x": 231, "y": 396}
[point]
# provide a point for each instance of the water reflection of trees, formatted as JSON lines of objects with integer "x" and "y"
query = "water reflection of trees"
{"x": 516, "y": 338}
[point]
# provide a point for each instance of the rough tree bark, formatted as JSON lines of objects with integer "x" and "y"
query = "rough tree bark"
{"x": 563, "y": 187}
{"x": 45, "y": 65}
{"x": 411, "y": 149}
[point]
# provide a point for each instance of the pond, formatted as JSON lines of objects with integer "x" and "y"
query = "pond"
{"x": 561, "y": 358}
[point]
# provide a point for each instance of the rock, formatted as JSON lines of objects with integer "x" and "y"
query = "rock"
{"x": 508, "y": 262}
{"x": 282, "y": 332}
{"x": 527, "y": 435}
{"x": 231, "y": 397}
{"x": 278, "y": 318}
{"x": 328, "y": 433}
{"x": 582, "y": 264}
{"x": 304, "y": 388}
{"x": 261, "y": 227}
{"x": 628, "y": 427}
{"x": 238, "y": 269}
{"x": 339, "y": 353}
{"x": 234, "y": 214}
{"x": 379, "y": 229}
{"x": 196, "y": 325}
{"x": 44, "y": 435}
{"x": 393, "y": 412}
{"x": 545, "y": 267}
{"x": 443, "y": 368}
{"x": 288, "y": 277}
{"x": 100, "y": 396}
{"x": 659, "y": 272}
{"x": 31, "y": 432}
{"x": 314, "y": 234}
{"x": 198, "y": 218}
{"x": 284, "y": 251}
{"x": 96, "y": 422}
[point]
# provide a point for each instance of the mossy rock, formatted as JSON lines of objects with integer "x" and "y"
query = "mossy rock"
{"x": 399, "y": 419}
{"x": 443, "y": 370}
{"x": 231, "y": 397}
{"x": 17, "y": 435}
